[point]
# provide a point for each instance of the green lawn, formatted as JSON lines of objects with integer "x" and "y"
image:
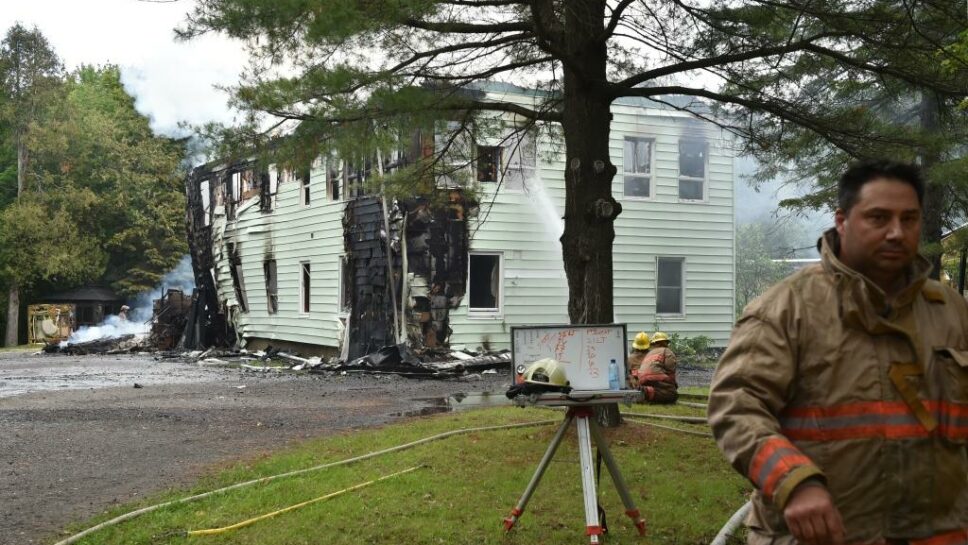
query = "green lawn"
{"x": 470, "y": 482}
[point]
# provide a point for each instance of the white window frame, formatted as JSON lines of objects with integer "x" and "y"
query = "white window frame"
{"x": 650, "y": 174}
{"x": 705, "y": 171}
{"x": 302, "y": 288}
{"x": 682, "y": 287}
{"x": 487, "y": 313}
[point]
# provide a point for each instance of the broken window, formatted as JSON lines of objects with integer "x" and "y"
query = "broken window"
{"x": 345, "y": 286}
{"x": 272, "y": 291}
{"x": 332, "y": 181}
{"x": 305, "y": 177}
{"x": 669, "y": 285}
{"x": 304, "y": 287}
{"x": 488, "y": 164}
{"x": 267, "y": 189}
{"x": 238, "y": 281}
{"x": 219, "y": 196}
{"x": 484, "y": 283}
{"x": 637, "y": 167}
{"x": 250, "y": 184}
{"x": 236, "y": 186}
{"x": 692, "y": 169}
{"x": 205, "y": 190}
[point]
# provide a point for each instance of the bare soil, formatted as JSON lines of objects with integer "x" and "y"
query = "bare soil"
{"x": 77, "y": 437}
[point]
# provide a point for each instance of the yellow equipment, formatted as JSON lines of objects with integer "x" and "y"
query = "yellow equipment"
{"x": 641, "y": 341}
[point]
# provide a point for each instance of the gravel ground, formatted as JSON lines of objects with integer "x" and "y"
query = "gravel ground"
{"x": 79, "y": 437}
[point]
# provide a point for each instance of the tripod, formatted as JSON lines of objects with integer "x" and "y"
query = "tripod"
{"x": 583, "y": 415}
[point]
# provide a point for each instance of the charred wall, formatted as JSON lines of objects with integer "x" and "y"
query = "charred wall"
{"x": 435, "y": 240}
{"x": 214, "y": 329}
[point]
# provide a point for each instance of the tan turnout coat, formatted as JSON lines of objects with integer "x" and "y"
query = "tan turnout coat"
{"x": 823, "y": 379}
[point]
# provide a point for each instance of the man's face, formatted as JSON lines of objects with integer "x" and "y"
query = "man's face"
{"x": 879, "y": 236}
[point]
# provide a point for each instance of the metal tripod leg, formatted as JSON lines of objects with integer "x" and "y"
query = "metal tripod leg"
{"x": 617, "y": 478}
{"x": 536, "y": 478}
{"x": 592, "y": 527}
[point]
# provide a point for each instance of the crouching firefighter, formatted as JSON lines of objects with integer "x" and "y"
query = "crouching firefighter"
{"x": 656, "y": 376}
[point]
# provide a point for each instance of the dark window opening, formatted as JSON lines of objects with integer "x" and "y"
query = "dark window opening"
{"x": 692, "y": 169}
{"x": 305, "y": 287}
{"x": 304, "y": 180}
{"x": 484, "y": 282}
{"x": 266, "y": 190}
{"x": 85, "y": 315}
{"x": 488, "y": 163}
{"x": 238, "y": 282}
{"x": 333, "y": 184}
{"x": 272, "y": 291}
{"x": 345, "y": 286}
{"x": 669, "y": 284}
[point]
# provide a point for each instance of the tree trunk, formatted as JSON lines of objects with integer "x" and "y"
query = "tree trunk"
{"x": 590, "y": 210}
{"x": 21, "y": 162}
{"x": 933, "y": 207}
{"x": 13, "y": 315}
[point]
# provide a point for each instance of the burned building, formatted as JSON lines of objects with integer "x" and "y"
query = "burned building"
{"x": 314, "y": 259}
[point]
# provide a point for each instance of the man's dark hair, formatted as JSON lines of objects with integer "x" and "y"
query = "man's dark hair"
{"x": 866, "y": 171}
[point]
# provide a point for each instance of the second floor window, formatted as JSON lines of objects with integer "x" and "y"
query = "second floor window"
{"x": 692, "y": 170}
{"x": 304, "y": 180}
{"x": 488, "y": 163}
{"x": 637, "y": 167}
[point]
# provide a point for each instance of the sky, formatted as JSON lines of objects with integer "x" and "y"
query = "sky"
{"x": 172, "y": 81}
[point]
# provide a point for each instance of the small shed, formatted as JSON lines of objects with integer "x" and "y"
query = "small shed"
{"x": 91, "y": 303}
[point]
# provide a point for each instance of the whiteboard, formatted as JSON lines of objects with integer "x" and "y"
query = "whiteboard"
{"x": 585, "y": 350}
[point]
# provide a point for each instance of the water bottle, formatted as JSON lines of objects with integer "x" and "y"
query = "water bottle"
{"x": 614, "y": 376}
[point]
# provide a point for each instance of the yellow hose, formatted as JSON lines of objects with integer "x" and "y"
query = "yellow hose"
{"x": 213, "y": 531}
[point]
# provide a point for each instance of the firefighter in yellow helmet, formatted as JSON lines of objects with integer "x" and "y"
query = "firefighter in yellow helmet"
{"x": 640, "y": 347}
{"x": 656, "y": 376}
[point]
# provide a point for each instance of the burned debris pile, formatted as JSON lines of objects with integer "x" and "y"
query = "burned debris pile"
{"x": 165, "y": 330}
{"x": 396, "y": 360}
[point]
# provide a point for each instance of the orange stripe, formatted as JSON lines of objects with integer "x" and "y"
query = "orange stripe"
{"x": 948, "y": 407}
{"x": 913, "y": 431}
{"x": 763, "y": 454}
{"x": 876, "y": 407}
{"x": 849, "y": 409}
{"x": 786, "y": 464}
{"x": 782, "y": 466}
{"x": 957, "y": 537}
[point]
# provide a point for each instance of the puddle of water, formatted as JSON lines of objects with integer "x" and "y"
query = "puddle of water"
{"x": 462, "y": 401}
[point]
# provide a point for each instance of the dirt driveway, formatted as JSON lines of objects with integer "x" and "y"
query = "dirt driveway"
{"x": 77, "y": 436}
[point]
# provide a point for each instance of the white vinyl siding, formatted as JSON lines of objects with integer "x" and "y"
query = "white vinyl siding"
{"x": 524, "y": 228}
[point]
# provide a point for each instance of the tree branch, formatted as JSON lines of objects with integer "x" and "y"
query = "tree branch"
{"x": 468, "y": 28}
{"x": 720, "y": 60}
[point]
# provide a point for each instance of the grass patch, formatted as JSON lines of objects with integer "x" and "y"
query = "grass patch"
{"x": 682, "y": 484}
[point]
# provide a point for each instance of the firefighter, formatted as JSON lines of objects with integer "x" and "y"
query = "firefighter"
{"x": 123, "y": 315}
{"x": 843, "y": 393}
{"x": 656, "y": 377}
{"x": 640, "y": 347}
